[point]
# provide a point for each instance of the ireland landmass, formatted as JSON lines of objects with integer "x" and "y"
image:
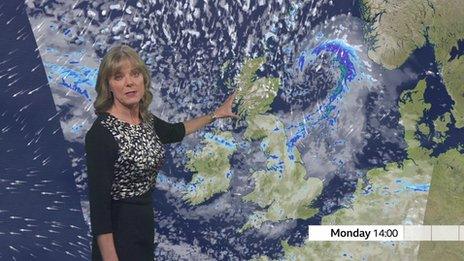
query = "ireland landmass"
{"x": 211, "y": 167}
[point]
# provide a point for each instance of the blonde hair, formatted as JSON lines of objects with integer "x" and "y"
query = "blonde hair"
{"x": 110, "y": 65}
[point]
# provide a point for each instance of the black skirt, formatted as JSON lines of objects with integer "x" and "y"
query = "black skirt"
{"x": 133, "y": 229}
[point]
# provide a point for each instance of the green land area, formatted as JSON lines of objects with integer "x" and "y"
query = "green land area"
{"x": 397, "y": 28}
{"x": 445, "y": 206}
{"x": 441, "y": 127}
{"x": 281, "y": 190}
{"x": 211, "y": 168}
{"x": 386, "y": 200}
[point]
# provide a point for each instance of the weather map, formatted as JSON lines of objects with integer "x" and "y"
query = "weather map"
{"x": 349, "y": 113}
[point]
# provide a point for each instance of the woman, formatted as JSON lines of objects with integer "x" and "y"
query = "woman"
{"x": 124, "y": 151}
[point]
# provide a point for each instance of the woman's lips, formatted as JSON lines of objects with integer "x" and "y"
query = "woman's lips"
{"x": 131, "y": 93}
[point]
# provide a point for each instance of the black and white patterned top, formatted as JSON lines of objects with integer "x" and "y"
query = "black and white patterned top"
{"x": 122, "y": 162}
{"x": 140, "y": 157}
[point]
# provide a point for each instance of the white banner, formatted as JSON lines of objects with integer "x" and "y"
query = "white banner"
{"x": 385, "y": 233}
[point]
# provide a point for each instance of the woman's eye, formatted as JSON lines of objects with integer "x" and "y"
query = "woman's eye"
{"x": 118, "y": 77}
{"x": 136, "y": 74}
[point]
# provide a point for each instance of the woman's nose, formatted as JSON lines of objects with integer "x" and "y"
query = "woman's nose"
{"x": 129, "y": 81}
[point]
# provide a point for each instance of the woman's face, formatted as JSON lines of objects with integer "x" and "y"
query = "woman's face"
{"x": 127, "y": 85}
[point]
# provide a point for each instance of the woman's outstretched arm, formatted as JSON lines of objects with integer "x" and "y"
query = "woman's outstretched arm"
{"x": 223, "y": 111}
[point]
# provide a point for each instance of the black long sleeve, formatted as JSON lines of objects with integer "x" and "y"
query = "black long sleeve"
{"x": 101, "y": 152}
{"x": 169, "y": 132}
